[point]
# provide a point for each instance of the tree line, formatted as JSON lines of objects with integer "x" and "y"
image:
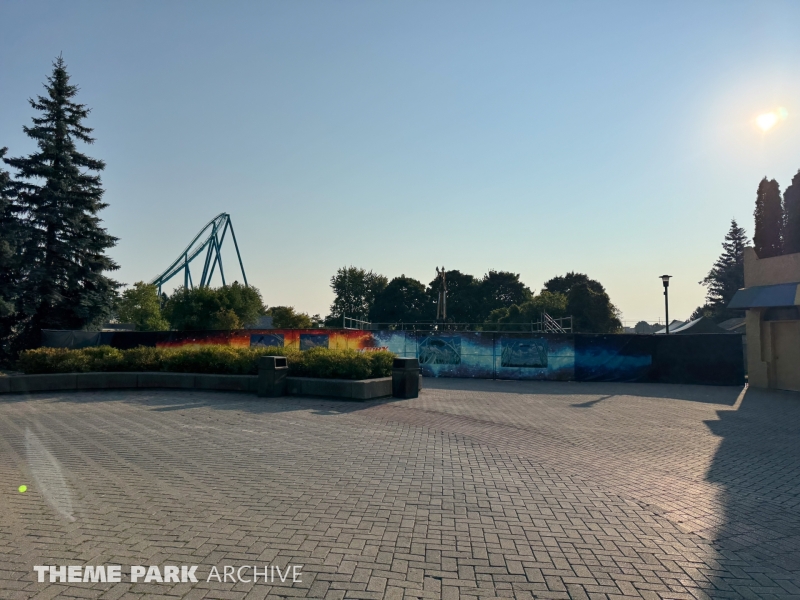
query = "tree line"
{"x": 228, "y": 307}
{"x": 498, "y": 298}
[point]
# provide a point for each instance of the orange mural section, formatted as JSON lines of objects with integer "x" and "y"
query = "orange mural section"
{"x": 298, "y": 339}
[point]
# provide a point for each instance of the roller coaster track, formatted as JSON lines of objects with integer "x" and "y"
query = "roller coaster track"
{"x": 212, "y": 236}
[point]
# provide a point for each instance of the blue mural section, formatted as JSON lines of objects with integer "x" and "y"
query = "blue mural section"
{"x": 313, "y": 340}
{"x": 715, "y": 359}
{"x": 613, "y": 357}
{"x": 526, "y": 356}
{"x": 264, "y": 340}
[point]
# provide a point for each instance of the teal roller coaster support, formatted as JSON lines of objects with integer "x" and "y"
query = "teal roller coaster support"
{"x": 209, "y": 244}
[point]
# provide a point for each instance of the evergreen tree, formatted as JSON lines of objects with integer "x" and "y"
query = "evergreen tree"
{"x": 727, "y": 274}
{"x": 61, "y": 194}
{"x": 12, "y": 237}
{"x": 791, "y": 210}
{"x": 768, "y": 236}
{"x": 8, "y": 243}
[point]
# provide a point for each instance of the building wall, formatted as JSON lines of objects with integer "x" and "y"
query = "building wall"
{"x": 762, "y": 363}
{"x": 770, "y": 271}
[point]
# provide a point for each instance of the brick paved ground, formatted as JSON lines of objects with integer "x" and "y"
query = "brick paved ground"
{"x": 477, "y": 489}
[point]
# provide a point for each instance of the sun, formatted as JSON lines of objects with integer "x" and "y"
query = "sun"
{"x": 768, "y": 120}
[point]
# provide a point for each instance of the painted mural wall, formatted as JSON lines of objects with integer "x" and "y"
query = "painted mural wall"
{"x": 704, "y": 358}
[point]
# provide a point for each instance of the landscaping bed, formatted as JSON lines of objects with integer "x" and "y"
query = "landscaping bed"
{"x": 217, "y": 360}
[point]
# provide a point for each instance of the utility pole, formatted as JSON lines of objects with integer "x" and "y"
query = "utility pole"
{"x": 441, "y": 305}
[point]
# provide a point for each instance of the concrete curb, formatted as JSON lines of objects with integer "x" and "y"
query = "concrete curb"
{"x": 365, "y": 389}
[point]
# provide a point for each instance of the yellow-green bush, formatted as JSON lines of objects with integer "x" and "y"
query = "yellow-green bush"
{"x": 226, "y": 360}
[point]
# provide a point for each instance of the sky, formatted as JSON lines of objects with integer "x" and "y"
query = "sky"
{"x": 616, "y": 139}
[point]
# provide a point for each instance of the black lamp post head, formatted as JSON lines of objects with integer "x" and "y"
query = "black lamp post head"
{"x": 665, "y": 279}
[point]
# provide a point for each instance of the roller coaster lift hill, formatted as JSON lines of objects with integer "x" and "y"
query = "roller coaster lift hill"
{"x": 207, "y": 243}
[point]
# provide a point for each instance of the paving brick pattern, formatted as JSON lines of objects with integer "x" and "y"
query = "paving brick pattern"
{"x": 477, "y": 489}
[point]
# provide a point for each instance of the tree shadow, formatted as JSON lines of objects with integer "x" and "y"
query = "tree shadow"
{"x": 591, "y": 403}
{"x": 757, "y": 468}
{"x": 169, "y": 400}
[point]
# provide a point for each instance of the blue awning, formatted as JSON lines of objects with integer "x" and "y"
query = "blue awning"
{"x": 765, "y": 296}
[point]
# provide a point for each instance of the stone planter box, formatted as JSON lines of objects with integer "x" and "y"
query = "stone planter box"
{"x": 365, "y": 389}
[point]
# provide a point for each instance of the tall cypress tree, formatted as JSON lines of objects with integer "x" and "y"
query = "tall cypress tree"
{"x": 60, "y": 191}
{"x": 727, "y": 274}
{"x": 768, "y": 236}
{"x": 791, "y": 211}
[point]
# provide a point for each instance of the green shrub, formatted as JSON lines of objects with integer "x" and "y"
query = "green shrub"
{"x": 334, "y": 364}
{"x": 142, "y": 358}
{"x": 381, "y": 363}
{"x": 226, "y": 360}
{"x": 52, "y": 360}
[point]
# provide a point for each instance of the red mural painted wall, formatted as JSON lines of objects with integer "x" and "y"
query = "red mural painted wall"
{"x": 299, "y": 339}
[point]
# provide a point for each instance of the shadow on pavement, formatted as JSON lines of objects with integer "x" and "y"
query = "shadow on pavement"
{"x": 591, "y": 393}
{"x": 694, "y": 393}
{"x": 166, "y": 400}
{"x": 757, "y": 467}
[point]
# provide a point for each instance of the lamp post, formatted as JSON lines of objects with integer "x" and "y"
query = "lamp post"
{"x": 665, "y": 279}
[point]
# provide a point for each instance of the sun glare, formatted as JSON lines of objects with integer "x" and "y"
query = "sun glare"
{"x": 768, "y": 120}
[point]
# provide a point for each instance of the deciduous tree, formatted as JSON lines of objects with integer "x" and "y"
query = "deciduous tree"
{"x": 464, "y": 301}
{"x": 141, "y": 306}
{"x": 355, "y": 291}
{"x": 227, "y": 307}
{"x": 553, "y": 303}
{"x": 403, "y": 300}
{"x": 285, "y": 317}
{"x": 592, "y": 311}
{"x": 502, "y": 289}
{"x": 587, "y": 302}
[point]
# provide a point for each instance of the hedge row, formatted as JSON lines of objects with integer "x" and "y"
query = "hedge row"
{"x": 225, "y": 360}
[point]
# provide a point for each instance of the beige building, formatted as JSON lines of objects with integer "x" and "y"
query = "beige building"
{"x": 772, "y": 298}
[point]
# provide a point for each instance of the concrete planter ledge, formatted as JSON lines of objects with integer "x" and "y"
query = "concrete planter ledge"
{"x": 361, "y": 389}
{"x": 365, "y": 389}
{"x": 272, "y": 381}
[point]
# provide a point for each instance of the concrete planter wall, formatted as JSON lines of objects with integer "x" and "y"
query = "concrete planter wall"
{"x": 365, "y": 389}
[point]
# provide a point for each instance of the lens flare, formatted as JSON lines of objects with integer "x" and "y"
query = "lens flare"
{"x": 768, "y": 120}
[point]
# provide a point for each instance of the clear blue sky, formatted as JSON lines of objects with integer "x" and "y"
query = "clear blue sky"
{"x": 616, "y": 139}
